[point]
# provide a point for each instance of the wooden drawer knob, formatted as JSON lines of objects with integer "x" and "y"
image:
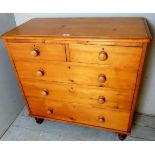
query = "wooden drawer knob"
{"x": 101, "y": 78}
{"x": 101, "y": 119}
{"x": 40, "y": 73}
{"x": 103, "y": 56}
{"x": 101, "y": 99}
{"x": 35, "y": 53}
{"x": 50, "y": 111}
{"x": 44, "y": 92}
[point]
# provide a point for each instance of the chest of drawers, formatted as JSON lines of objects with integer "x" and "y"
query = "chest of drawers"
{"x": 84, "y": 70}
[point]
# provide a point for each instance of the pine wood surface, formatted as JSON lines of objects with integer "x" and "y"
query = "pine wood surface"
{"x": 80, "y": 114}
{"x": 64, "y": 66}
{"x": 52, "y": 52}
{"x": 78, "y": 94}
{"x": 116, "y": 56}
{"x": 119, "y": 28}
{"x": 78, "y": 73}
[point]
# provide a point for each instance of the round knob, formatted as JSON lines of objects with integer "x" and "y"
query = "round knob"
{"x": 40, "y": 73}
{"x": 103, "y": 56}
{"x": 102, "y": 78}
{"x": 101, "y": 119}
{"x": 50, "y": 111}
{"x": 101, "y": 99}
{"x": 44, "y": 92}
{"x": 35, "y": 53}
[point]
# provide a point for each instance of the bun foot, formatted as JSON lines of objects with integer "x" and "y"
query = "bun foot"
{"x": 121, "y": 136}
{"x": 39, "y": 120}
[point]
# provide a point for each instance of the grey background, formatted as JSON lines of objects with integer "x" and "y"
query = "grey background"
{"x": 11, "y": 101}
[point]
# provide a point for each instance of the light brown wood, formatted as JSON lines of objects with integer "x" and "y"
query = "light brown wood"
{"x": 79, "y": 113}
{"x": 67, "y": 52}
{"x": 35, "y": 52}
{"x": 101, "y": 99}
{"x": 78, "y": 94}
{"x": 103, "y": 55}
{"x": 139, "y": 76}
{"x": 85, "y": 71}
{"x": 44, "y": 92}
{"x": 78, "y": 74}
{"x": 101, "y": 119}
{"x": 102, "y": 78}
{"x": 80, "y": 124}
{"x": 117, "y": 56}
{"x": 118, "y": 28}
{"x": 17, "y": 76}
{"x": 83, "y": 41}
{"x": 23, "y": 51}
{"x": 40, "y": 72}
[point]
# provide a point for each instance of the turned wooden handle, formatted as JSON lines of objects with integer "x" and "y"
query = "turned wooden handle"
{"x": 50, "y": 111}
{"x": 35, "y": 52}
{"x": 101, "y": 99}
{"x": 103, "y": 56}
{"x": 44, "y": 92}
{"x": 101, "y": 119}
{"x": 102, "y": 78}
{"x": 40, "y": 73}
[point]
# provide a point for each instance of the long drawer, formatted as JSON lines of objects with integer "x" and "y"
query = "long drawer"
{"x": 37, "y": 51}
{"x": 80, "y": 114}
{"x": 117, "y": 56}
{"x": 90, "y": 95}
{"x": 78, "y": 74}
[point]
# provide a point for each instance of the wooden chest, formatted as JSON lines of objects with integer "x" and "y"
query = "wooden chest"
{"x": 80, "y": 70}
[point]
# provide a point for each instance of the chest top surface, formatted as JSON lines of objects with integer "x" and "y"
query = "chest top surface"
{"x": 103, "y": 28}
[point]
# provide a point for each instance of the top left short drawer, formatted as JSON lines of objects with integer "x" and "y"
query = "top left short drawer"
{"x": 37, "y": 51}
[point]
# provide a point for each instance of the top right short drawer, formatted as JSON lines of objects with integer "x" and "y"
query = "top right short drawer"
{"x": 114, "y": 56}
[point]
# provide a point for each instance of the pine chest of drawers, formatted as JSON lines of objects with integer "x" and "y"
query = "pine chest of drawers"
{"x": 85, "y": 70}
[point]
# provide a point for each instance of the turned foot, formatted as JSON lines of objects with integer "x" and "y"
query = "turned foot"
{"x": 122, "y": 136}
{"x": 39, "y": 120}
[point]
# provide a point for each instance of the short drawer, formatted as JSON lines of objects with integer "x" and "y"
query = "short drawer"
{"x": 79, "y": 114}
{"x": 92, "y": 96}
{"x": 116, "y": 56}
{"x": 78, "y": 74}
{"x": 37, "y": 51}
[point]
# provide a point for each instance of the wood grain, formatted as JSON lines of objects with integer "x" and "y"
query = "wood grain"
{"x": 117, "y": 56}
{"x": 78, "y": 73}
{"x": 79, "y": 113}
{"x": 68, "y": 80}
{"x": 84, "y": 95}
{"x": 16, "y": 74}
{"x": 122, "y": 28}
{"x": 139, "y": 76}
{"x": 49, "y": 52}
{"x": 83, "y": 41}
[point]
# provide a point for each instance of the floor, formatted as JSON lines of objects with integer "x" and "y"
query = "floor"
{"x": 24, "y": 128}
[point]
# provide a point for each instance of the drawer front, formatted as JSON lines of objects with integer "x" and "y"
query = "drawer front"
{"x": 116, "y": 56}
{"x": 37, "y": 51}
{"x": 91, "y": 96}
{"x": 79, "y": 114}
{"x": 78, "y": 74}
